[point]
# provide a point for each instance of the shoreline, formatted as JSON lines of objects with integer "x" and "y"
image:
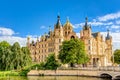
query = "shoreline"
{"x": 63, "y": 73}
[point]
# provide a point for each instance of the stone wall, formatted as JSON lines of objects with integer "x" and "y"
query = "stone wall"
{"x": 63, "y": 73}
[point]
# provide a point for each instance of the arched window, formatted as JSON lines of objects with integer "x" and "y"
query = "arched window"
{"x": 65, "y": 33}
{"x": 72, "y": 37}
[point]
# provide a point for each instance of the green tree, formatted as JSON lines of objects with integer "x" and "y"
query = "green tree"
{"x": 117, "y": 56}
{"x": 5, "y": 55}
{"x": 17, "y": 56}
{"x": 26, "y": 56}
{"x": 13, "y": 57}
{"x": 51, "y": 63}
{"x": 73, "y": 51}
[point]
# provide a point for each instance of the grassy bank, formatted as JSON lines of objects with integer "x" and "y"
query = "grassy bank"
{"x": 8, "y": 73}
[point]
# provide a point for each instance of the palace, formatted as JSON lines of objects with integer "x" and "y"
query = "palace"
{"x": 98, "y": 49}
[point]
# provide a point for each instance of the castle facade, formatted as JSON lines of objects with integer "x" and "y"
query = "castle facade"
{"x": 98, "y": 49}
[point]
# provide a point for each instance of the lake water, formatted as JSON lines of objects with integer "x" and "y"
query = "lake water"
{"x": 50, "y": 78}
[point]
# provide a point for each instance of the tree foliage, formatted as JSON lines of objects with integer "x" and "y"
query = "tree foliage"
{"x": 13, "y": 57}
{"x": 73, "y": 51}
{"x": 51, "y": 63}
{"x": 117, "y": 56}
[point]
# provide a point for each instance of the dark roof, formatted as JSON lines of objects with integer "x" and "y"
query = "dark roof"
{"x": 108, "y": 35}
{"x": 58, "y": 24}
{"x": 86, "y": 26}
{"x": 95, "y": 34}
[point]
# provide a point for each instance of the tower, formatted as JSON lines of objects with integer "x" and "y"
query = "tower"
{"x": 85, "y": 35}
{"x": 28, "y": 41}
{"x": 58, "y": 36}
{"x": 108, "y": 50}
{"x": 86, "y": 32}
{"x": 68, "y": 30}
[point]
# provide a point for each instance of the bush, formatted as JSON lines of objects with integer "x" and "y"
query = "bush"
{"x": 38, "y": 66}
{"x": 24, "y": 72}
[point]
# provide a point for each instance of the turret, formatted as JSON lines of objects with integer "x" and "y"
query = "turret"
{"x": 86, "y": 32}
{"x": 58, "y": 31}
{"x": 50, "y": 31}
{"x": 108, "y": 35}
{"x": 108, "y": 38}
{"x": 109, "y": 46}
{"x": 86, "y": 24}
{"x": 58, "y": 24}
{"x": 28, "y": 41}
{"x": 68, "y": 28}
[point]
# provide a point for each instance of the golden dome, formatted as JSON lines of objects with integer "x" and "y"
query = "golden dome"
{"x": 68, "y": 25}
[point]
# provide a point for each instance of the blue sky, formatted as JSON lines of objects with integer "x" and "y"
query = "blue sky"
{"x": 19, "y": 18}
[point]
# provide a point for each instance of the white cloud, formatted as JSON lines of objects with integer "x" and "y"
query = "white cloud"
{"x": 94, "y": 23}
{"x": 12, "y": 39}
{"x": 115, "y": 27}
{"x": 118, "y": 22}
{"x": 42, "y": 27}
{"x": 6, "y": 31}
{"x": 109, "y": 17}
{"x": 78, "y": 25}
{"x": 100, "y": 23}
{"x": 78, "y": 35}
{"x": 6, "y": 34}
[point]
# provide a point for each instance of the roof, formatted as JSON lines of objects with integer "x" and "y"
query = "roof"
{"x": 58, "y": 24}
{"x": 95, "y": 34}
{"x": 86, "y": 26}
{"x": 68, "y": 25}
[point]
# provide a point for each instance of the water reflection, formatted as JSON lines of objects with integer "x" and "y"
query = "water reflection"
{"x": 50, "y": 78}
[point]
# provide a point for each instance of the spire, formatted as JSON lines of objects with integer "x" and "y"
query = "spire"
{"x": 86, "y": 26}
{"x": 86, "y": 20}
{"x": 37, "y": 38}
{"x": 108, "y": 35}
{"x": 58, "y": 24}
{"x": 49, "y": 30}
{"x": 67, "y": 19}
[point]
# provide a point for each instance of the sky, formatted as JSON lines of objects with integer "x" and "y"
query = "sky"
{"x": 22, "y": 18}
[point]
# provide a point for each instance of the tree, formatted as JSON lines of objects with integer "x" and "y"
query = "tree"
{"x": 73, "y": 51}
{"x": 18, "y": 56}
{"x": 26, "y": 56}
{"x": 51, "y": 62}
{"x": 13, "y": 57}
{"x": 117, "y": 56}
{"x": 5, "y": 55}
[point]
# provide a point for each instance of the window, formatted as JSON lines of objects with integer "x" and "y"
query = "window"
{"x": 65, "y": 33}
{"x": 45, "y": 50}
{"x": 88, "y": 41}
{"x": 69, "y": 32}
{"x": 59, "y": 40}
{"x": 89, "y": 48}
{"x": 45, "y": 45}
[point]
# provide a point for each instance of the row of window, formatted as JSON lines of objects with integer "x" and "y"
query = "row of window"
{"x": 40, "y": 58}
{"x": 50, "y": 50}
{"x": 50, "y": 44}
{"x": 45, "y": 50}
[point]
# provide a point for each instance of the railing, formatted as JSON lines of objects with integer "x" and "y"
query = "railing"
{"x": 103, "y": 68}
